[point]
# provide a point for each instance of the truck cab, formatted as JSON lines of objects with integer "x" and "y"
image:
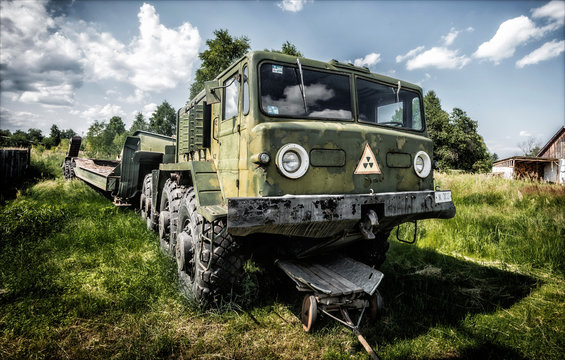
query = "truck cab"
{"x": 302, "y": 155}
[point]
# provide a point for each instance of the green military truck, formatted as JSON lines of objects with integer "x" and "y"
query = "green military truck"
{"x": 312, "y": 163}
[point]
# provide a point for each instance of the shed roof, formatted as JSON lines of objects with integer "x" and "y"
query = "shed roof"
{"x": 551, "y": 141}
{"x": 526, "y": 159}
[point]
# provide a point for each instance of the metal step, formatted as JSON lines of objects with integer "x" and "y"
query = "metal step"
{"x": 332, "y": 276}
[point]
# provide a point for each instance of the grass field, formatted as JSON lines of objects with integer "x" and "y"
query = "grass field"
{"x": 80, "y": 278}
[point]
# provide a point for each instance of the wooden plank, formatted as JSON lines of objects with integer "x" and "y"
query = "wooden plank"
{"x": 343, "y": 283}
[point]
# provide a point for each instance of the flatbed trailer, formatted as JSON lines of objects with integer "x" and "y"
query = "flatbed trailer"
{"x": 123, "y": 178}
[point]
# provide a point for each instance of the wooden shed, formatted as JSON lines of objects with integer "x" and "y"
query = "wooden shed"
{"x": 548, "y": 165}
{"x": 13, "y": 164}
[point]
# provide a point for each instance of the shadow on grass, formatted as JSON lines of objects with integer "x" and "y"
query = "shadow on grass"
{"x": 36, "y": 172}
{"x": 422, "y": 290}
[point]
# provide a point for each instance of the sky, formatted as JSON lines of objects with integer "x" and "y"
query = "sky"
{"x": 71, "y": 63}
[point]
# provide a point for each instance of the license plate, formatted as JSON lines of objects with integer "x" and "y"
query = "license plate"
{"x": 443, "y": 196}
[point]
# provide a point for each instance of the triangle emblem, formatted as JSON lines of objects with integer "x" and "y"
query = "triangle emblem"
{"x": 368, "y": 163}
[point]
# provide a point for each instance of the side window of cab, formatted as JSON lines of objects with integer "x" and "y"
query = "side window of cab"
{"x": 231, "y": 97}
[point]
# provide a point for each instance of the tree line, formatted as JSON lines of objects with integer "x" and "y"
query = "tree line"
{"x": 34, "y": 137}
{"x": 457, "y": 144}
{"x": 106, "y": 139}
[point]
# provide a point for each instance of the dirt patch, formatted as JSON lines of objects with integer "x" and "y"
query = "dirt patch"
{"x": 544, "y": 190}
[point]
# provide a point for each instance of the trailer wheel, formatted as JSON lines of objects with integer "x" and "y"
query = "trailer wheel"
{"x": 376, "y": 306}
{"x": 68, "y": 169}
{"x": 168, "y": 216}
{"x": 147, "y": 191}
{"x": 309, "y": 312}
{"x": 206, "y": 273}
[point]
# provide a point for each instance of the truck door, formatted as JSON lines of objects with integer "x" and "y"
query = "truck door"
{"x": 228, "y": 135}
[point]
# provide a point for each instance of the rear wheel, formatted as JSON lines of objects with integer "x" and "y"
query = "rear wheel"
{"x": 207, "y": 270}
{"x": 146, "y": 204}
{"x": 168, "y": 216}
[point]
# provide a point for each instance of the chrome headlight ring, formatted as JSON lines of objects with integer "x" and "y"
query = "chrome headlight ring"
{"x": 422, "y": 164}
{"x": 292, "y": 161}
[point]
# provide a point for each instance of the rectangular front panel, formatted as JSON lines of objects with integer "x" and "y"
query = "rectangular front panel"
{"x": 344, "y": 158}
{"x": 97, "y": 180}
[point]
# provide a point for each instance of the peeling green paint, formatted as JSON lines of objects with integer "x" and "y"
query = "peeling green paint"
{"x": 237, "y": 141}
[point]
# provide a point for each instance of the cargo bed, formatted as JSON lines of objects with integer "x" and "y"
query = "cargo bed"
{"x": 99, "y": 173}
{"x": 142, "y": 153}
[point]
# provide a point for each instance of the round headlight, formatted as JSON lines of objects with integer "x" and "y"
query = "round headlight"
{"x": 422, "y": 164}
{"x": 292, "y": 161}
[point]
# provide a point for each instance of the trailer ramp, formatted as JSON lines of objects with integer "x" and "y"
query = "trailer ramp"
{"x": 336, "y": 284}
{"x": 336, "y": 276}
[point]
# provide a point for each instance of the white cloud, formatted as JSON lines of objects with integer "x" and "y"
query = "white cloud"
{"x": 45, "y": 59}
{"x": 511, "y": 34}
{"x": 37, "y": 62}
{"x": 438, "y": 57}
{"x": 554, "y": 10}
{"x": 100, "y": 113}
{"x": 155, "y": 60}
{"x": 409, "y": 54}
{"x": 18, "y": 119}
{"x": 148, "y": 110}
{"x": 369, "y": 60}
{"x": 426, "y": 78}
{"x": 547, "y": 51}
{"x": 525, "y": 133}
{"x": 452, "y": 35}
{"x": 137, "y": 98}
{"x": 292, "y": 5}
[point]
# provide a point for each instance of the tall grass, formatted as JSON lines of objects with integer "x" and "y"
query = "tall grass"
{"x": 515, "y": 222}
{"x": 80, "y": 278}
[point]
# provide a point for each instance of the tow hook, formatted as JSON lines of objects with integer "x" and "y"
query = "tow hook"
{"x": 370, "y": 220}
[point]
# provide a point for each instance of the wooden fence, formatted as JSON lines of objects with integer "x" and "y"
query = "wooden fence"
{"x": 13, "y": 164}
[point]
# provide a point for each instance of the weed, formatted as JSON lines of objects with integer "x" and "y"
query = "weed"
{"x": 82, "y": 279}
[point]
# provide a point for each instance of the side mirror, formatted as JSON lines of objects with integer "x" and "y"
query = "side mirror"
{"x": 212, "y": 95}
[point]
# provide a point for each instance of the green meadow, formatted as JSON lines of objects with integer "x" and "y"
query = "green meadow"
{"x": 80, "y": 278}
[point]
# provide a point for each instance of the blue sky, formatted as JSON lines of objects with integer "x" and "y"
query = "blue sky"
{"x": 71, "y": 63}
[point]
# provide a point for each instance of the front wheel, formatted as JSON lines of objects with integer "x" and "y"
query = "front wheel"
{"x": 168, "y": 215}
{"x": 207, "y": 270}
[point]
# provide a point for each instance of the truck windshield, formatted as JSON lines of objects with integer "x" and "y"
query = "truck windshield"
{"x": 324, "y": 96}
{"x": 389, "y": 106}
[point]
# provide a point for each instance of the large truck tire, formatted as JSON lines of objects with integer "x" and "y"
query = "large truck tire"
{"x": 146, "y": 205}
{"x": 142, "y": 201}
{"x": 168, "y": 216}
{"x": 206, "y": 271}
{"x": 68, "y": 169}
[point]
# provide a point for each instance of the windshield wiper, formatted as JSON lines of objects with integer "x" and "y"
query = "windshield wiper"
{"x": 302, "y": 89}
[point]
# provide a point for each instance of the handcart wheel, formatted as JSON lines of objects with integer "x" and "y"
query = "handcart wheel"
{"x": 376, "y": 306}
{"x": 309, "y": 312}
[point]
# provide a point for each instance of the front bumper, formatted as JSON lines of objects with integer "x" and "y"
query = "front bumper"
{"x": 322, "y": 216}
